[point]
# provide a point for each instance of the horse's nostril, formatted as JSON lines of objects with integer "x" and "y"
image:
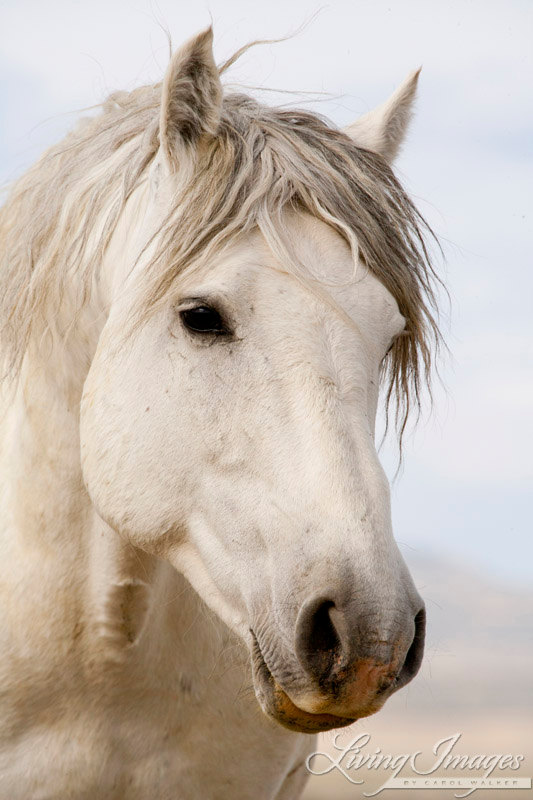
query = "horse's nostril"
{"x": 413, "y": 659}
{"x": 334, "y": 651}
{"x": 317, "y": 641}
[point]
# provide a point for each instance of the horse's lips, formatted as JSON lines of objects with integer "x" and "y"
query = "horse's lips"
{"x": 277, "y": 704}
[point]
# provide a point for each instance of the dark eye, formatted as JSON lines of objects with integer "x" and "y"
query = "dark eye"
{"x": 203, "y": 319}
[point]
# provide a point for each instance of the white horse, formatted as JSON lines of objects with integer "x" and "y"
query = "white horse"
{"x": 200, "y": 296}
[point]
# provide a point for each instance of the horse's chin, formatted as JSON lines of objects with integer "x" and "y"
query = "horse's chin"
{"x": 276, "y": 703}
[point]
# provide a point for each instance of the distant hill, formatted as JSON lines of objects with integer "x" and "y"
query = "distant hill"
{"x": 479, "y": 650}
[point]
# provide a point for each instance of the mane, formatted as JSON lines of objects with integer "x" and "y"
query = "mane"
{"x": 60, "y": 215}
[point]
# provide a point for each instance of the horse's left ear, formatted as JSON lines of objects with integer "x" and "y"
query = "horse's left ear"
{"x": 191, "y": 98}
{"x": 383, "y": 129}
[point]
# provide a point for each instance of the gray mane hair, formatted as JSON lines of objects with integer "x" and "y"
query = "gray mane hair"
{"x": 60, "y": 215}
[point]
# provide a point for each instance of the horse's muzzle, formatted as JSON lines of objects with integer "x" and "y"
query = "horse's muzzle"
{"x": 346, "y": 672}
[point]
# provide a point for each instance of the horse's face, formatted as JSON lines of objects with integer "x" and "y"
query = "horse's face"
{"x": 233, "y": 435}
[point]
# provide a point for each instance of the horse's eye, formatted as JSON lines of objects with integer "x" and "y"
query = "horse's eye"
{"x": 203, "y": 319}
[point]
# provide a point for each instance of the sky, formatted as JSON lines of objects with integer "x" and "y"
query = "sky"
{"x": 465, "y": 487}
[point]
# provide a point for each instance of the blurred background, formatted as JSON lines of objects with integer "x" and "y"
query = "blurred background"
{"x": 461, "y": 502}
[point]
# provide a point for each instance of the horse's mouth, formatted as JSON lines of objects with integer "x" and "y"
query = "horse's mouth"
{"x": 278, "y": 705}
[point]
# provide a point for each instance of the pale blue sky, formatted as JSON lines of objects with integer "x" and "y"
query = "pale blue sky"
{"x": 466, "y": 485}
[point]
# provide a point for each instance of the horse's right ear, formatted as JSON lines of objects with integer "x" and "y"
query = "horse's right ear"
{"x": 191, "y": 98}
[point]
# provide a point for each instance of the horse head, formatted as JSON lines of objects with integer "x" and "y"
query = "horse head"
{"x": 273, "y": 280}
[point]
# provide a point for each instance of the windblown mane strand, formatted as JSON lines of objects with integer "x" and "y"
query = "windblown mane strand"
{"x": 48, "y": 223}
{"x": 262, "y": 161}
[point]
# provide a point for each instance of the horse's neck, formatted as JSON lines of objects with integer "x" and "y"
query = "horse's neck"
{"x": 86, "y": 576}
{"x": 39, "y": 420}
